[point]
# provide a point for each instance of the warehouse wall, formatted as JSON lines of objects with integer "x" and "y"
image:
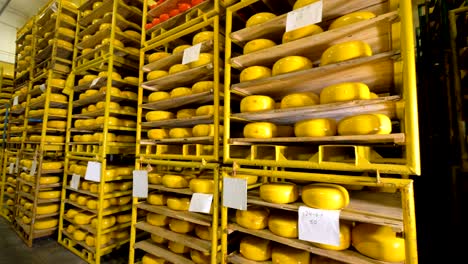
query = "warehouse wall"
{"x": 9, "y": 21}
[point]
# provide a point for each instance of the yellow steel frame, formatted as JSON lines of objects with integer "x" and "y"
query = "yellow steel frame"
{"x": 411, "y": 161}
{"x": 207, "y": 21}
{"x": 216, "y": 199}
{"x": 100, "y": 156}
{"x": 405, "y": 186}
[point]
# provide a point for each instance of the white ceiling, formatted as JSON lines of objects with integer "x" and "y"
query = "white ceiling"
{"x": 19, "y": 11}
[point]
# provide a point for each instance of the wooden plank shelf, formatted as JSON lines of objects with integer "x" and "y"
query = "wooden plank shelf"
{"x": 347, "y": 256}
{"x": 100, "y": 112}
{"x": 28, "y": 213}
{"x": 170, "y": 141}
{"x": 102, "y": 34}
{"x": 41, "y": 186}
{"x": 180, "y": 79}
{"x": 113, "y": 194}
{"x": 367, "y": 207}
{"x": 375, "y": 32}
{"x": 170, "y": 103}
{"x": 37, "y": 233}
{"x": 396, "y": 138}
{"x": 39, "y": 200}
{"x": 100, "y": 82}
{"x": 41, "y": 104}
{"x": 166, "y": 63}
{"x": 274, "y": 28}
{"x": 93, "y": 230}
{"x": 187, "y": 240}
{"x": 237, "y": 258}
{"x": 184, "y": 122}
{"x": 101, "y": 127}
{"x": 376, "y": 71}
{"x": 108, "y": 211}
{"x": 159, "y": 187}
{"x": 62, "y": 52}
{"x": 196, "y": 218}
{"x": 124, "y": 10}
{"x": 289, "y": 116}
{"x": 161, "y": 252}
{"x": 100, "y": 96}
{"x": 49, "y": 117}
{"x": 120, "y": 22}
{"x": 105, "y": 249}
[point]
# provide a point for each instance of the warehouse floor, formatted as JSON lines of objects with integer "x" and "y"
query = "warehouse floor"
{"x": 45, "y": 250}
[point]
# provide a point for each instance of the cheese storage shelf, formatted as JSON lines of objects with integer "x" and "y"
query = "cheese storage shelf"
{"x": 101, "y": 128}
{"x": 174, "y": 213}
{"x": 387, "y": 70}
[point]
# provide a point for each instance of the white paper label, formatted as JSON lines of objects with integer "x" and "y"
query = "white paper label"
{"x": 320, "y": 226}
{"x": 11, "y": 168}
{"x": 235, "y": 193}
{"x": 75, "y": 181}
{"x": 201, "y": 203}
{"x": 93, "y": 171}
{"x": 191, "y": 54}
{"x": 33, "y": 167}
{"x": 15, "y": 100}
{"x": 43, "y": 87}
{"x": 94, "y": 82}
{"x": 140, "y": 183}
{"x": 17, "y": 166}
{"x": 304, "y": 16}
{"x": 54, "y": 7}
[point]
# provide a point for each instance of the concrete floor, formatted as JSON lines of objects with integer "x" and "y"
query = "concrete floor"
{"x": 45, "y": 250}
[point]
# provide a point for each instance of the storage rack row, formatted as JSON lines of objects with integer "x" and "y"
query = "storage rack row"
{"x": 95, "y": 215}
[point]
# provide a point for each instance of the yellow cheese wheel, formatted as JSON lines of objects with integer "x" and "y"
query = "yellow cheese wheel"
{"x": 106, "y": 222}
{"x": 72, "y": 212}
{"x": 56, "y": 124}
{"x": 180, "y": 91}
{"x": 116, "y": 42}
{"x": 73, "y": 197}
{"x": 180, "y": 226}
{"x": 157, "y": 219}
{"x": 158, "y": 133}
{"x": 288, "y": 255}
{"x": 208, "y": 110}
{"x": 345, "y": 51}
{"x": 256, "y": 103}
{"x": 158, "y": 116}
{"x": 299, "y": 100}
{"x": 61, "y": 43}
{"x": 291, "y": 64}
{"x": 345, "y": 239}
{"x": 157, "y": 199}
{"x": 200, "y": 257}
{"x": 258, "y": 44}
{"x": 157, "y": 96}
{"x": 178, "y": 203}
{"x": 343, "y": 92}
{"x": 114, "y": 75}
{"x": 112, "y": 105}
{"x": 124, "y": 218}
{"x": 120, "y": 235}
{"x": 251, "y": 179}
{"x": 155, "y": 178}
{"x": 151, "y": 259}
{"x": 302, "y": 3}
{"x": 49, "y": 194}
{"x": 178, "y": 248}
{"x": 180, "y": 48}
{"x": 49, "y": 179}
{"x": 351, "y": 18}
{"x": 378, "y": 242}
{"x": 91, "y": 240}
{"x": 180, "y": 132}
{"x": 28, "y": 205}
{"x": 45, "y": 223}
{"x": 253, "y": 218}
{"x": 203, "y": 59}
{"x": 130, "y": 95}
{"x": 70, "y": 228}
{"x": 366, "y": 124}
{"x": 202, "y": 37}
{"x": 325, "y": 196}
{"x": 58, "y": 82}
{"x": 157, "y": 239}
{"x": 185, "y": 113}
{"x": 203, "y": 86}
{"x": 259, "y": 18}
{"x": 10, "y": 202}
{"x": 315, "y": 128}
{"x": 255, "y": 248}
{"x": 66, "y": 31}
{"x": 58, "y": 97}
{"x": 108, "y": 187}
{"x": 260, "y": 130}
{"x": 204, "y": 232}
{"x": 65, "y": 17}
{"x": 178, "y": 68}
{"x": 93, "y": 204}
{"x": 157, "y": 56}
{"x": 82, "y": 200}
{"x": 132, "y": 80}
{"x": 52, "y": 165}
{"x": 284, "y": 224}
{"x": 280, "y": 193}
{"x": 79, "y": 235}
{"x": 254, "y": 73}
{"x": 133, "y": 34}
{"x": 202, "y": 185}
{"x": 302, "y": 32}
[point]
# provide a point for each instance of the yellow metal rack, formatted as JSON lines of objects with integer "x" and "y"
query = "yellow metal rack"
{"x": 95, "y": 216}
{"x": 42, "y": 151}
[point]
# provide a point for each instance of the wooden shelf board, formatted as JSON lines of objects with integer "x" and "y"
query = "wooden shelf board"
{"x": 185, "y": 191}
{"x": 94, "y": 114}
{"x": 375, "y": 71}
{"x": 237, "y": 258}
{"x": 41, "y": 104}
{"x": 199, "y": 98}
{"x": 347, "y": 256}
{"x": 93, "y": 230}
{"x": 100, "y": 96}
{"x": 187, "y": 240}
{"x": 180, "y": 79}
{"x": 106, "y": 196}
{"x": 382, "y": 105}
{"x": 100, "y": 82}
{"x": 170, "y": 141}
{"x": 374, "y": 32}
{"x": 184, "y": 122}
{"x": 39, "y": 200}
{"x": 114, "y": 209}
{"x": 200, "y": 219}
{"x": 36, "y": 233}
{"x": 161, "y": 252}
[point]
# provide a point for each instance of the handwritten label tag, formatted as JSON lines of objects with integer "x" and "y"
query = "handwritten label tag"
{"x": 11, "y": 168}
{"x": 235, "y": 193}
{"x": 201, "y": 203}
{"x": 140, "y": 183}
{"x": 15, "y": 100}
{"x": 93, "y": 171}
{"x": 33, "y": 167}
{"x": 43, "y": 87}
{"x": 307, "y": 15}
{"x": 191, "y": 54}
{"x": 320, "y": 226}
{"x": 75, "y": 181}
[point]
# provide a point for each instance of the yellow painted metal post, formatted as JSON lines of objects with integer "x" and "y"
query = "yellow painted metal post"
{"x": 409, "y": 222}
